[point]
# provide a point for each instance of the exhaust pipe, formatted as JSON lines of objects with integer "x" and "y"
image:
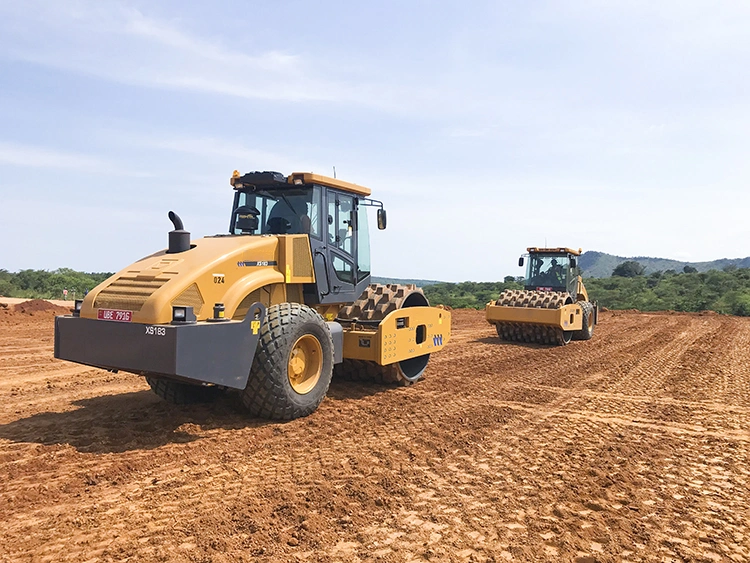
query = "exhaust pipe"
{"x": 179, "y": 239}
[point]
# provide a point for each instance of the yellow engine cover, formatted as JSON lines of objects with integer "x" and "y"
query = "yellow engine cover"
{"x": 221, "y": 269}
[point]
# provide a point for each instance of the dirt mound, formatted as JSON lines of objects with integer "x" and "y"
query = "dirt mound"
{"x": 39, "y": 306}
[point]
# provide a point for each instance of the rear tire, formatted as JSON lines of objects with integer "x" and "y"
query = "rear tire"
{"x": 293, "y": 364}
{"x": 182, "y": 393}
{"x": 587, "y": 330}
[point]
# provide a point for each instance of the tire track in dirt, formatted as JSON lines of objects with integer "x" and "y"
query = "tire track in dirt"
{"x": 503, "y": 452}
{"x": 729, "y": 375}
{"x": 646, "y": 373}
{"x": 561, "y": 407}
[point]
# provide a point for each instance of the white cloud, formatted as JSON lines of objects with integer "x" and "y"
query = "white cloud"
{"x": 213, "y": 146}
{"x": 135, "y": 23}
{"x": 119, "y": 43}
{"x": 36, "y": 157}
{"x": 226, "y": 154}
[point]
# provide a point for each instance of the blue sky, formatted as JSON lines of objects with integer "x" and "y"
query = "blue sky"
{"x": 485, "y": 127}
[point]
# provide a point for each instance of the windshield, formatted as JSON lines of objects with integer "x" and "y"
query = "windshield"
{"x": 545, "y": 270}
{"x": 284, "y": 211}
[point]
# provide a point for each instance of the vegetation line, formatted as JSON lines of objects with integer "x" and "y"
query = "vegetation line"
{"x": 724, "y": 291}
{"x": 42, "y": 284}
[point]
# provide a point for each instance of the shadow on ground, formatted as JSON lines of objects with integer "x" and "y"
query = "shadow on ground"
{"x": 128, "y": 421}
{"x": 141, "y": 420}
{"x": 497, "y": 341}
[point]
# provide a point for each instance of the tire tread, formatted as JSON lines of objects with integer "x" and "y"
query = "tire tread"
{"x": 268, "y": 393}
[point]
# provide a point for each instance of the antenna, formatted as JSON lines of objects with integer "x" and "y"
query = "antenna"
{"x": 334, "y": 171}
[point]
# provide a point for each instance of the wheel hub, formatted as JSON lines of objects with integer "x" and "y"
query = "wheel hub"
{"x": 305, "y": 364}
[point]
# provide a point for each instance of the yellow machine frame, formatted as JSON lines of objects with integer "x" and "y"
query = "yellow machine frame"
{"x": 568, "y": 317}
{"x": 402, "y": 334}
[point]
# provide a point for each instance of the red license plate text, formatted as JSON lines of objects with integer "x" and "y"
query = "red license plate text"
{"x": 114, "y": 315}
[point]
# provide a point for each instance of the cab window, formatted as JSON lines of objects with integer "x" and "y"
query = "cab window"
{"x": 343, "y": 268}
{"x": 547, "y": 271}
{"x": 341, "y": 235}
{"x": 285, "y": 211}
{"x": 363, "y": 243}
{"x": 340, "y": 231}
{"x": 314, "y": 213}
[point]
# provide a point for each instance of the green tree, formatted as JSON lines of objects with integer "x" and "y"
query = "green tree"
{"x": 48, "y": 285}
{"x": 629, "y": 269}
{"x": 6, "y": 288}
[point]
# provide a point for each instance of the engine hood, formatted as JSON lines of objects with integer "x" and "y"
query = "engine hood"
{"x": 215, "y": 269}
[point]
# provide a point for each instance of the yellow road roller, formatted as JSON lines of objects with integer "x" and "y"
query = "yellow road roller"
{"x": 269, "y": 309}
{"x": 553, "y": 307}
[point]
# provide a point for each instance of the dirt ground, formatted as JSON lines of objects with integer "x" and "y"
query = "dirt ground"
{"x": 630, "y": 447}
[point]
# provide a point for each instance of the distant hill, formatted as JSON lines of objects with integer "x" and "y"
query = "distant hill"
{"x": 418, "y": 283}
{"x": 600, "y": 265}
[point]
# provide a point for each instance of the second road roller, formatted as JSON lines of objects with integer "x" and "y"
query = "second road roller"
{"x": 553, "y": 307}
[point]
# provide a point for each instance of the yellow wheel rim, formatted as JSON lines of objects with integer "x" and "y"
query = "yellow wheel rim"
{"x": 305, "y": 364}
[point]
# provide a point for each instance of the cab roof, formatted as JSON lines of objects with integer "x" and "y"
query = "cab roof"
{"x": 276, "y": 179}
{"x": 559, "y": 250}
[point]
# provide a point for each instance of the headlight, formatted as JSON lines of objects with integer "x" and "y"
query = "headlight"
{"x": 182, "y": 315}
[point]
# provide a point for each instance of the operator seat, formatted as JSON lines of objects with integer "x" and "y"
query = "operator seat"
{"x": 286, "y": 217}
{"x": 246, "y": 219}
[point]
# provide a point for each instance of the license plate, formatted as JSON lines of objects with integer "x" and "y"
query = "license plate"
{"x": 114, "y": 315}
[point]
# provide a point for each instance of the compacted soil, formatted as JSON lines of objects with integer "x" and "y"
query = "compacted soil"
{"x": 633, "y": 446}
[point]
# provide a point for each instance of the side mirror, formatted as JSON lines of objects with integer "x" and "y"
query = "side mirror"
{"x": 573, "y": 262}
{"x": 520, "y": 261}
{"x": 382, "y": 219}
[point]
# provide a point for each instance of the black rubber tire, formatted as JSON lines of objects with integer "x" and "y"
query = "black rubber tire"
{"x": 182, "y": 393}
{"x": 269, "y": 393}
{"x": 587, "y": 314}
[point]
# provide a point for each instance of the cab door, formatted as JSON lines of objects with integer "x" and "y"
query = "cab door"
{"x": 342, "y": 247}
{"x": 342, "y": 258}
